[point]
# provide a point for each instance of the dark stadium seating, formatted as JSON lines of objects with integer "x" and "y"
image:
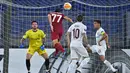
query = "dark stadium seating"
{"x": 39, "y": 3}
{"x": 106, "y": 2}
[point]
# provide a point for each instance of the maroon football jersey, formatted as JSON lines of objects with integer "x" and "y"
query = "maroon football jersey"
{"x": 57, "y": 19}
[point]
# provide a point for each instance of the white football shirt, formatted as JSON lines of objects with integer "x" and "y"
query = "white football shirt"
{"x": 99, "y": 35}
{"x": 77, "y": 29}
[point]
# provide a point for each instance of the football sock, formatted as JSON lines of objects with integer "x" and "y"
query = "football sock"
{"x": 84, "y": 62}
{"x": 47, "y": 63}
{"x": 56, "y": 52}
{"x": 80, "y": 60}
{"x": 28, "y": 64}
{"x": 72, "y": 66}
{"x": 108, "y": 64}
{"x": 58, "y": 46}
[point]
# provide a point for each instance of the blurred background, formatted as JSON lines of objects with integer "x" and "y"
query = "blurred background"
{"x": 114, "y": 15}
{"x": 16, "y": 17}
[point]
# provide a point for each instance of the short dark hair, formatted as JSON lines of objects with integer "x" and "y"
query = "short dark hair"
{"x": 58, "y": 10}
{"x": 33, "y": 22}
{"x": 80, "y": 18}
{"x": 98, "y": 21}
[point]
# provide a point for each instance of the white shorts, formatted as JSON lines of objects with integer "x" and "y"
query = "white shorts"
{"x": 78, "y": 50}
{"x": 98, "y": 49}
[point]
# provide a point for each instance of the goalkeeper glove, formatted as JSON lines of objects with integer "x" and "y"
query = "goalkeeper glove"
{"x": 21, "y": 46}
{"x": 42, "y": 47}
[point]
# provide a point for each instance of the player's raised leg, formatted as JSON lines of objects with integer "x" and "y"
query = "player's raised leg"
{"x": 58, "y": 46}
{"x": 100, "y": 50}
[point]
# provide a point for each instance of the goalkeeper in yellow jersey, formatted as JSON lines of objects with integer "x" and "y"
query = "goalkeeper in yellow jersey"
{"x": 36, "y": 44}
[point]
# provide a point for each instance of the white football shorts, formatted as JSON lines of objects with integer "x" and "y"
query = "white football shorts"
{"x": 98, "y": 49}
{"x": 78, "y": 50}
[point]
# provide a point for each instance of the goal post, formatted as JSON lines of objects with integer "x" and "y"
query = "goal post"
{"x": 6, "y": 37}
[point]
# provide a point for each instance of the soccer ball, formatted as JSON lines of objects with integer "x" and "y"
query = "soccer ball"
{"x": 67, "y": 6}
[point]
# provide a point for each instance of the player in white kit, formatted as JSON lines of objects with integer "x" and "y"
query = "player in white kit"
{"x": 78, "y": 35}
{"x": 102, "y": 44}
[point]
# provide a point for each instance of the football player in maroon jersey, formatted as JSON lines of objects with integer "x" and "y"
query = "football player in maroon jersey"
{"x": 55, "y": 20}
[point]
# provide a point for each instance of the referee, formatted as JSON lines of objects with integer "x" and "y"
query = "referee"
{"x": 36, "y": 44}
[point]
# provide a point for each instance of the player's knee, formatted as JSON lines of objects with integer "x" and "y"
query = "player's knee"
{"x": 73, "y": 63}
{"x": 102, "y": 58}
{"x": 89, "y": 50}
{"x": 86, "y": 55}
{"x": 27, "y": 59}
{"x": 55, "y": 42}
{"x": 45, "y": 56}
{"x": 87, "y": 58}
{"x": 28, "y": 56}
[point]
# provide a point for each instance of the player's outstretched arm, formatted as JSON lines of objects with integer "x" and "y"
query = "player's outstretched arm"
{"x": 69, "y": 19}
{"x": 50, "y": 21}
{"x": 85, "y": 41}
{"x": 68, "y": 39}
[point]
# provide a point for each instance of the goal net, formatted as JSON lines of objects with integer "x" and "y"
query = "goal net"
{"x": 16, "y": 17}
